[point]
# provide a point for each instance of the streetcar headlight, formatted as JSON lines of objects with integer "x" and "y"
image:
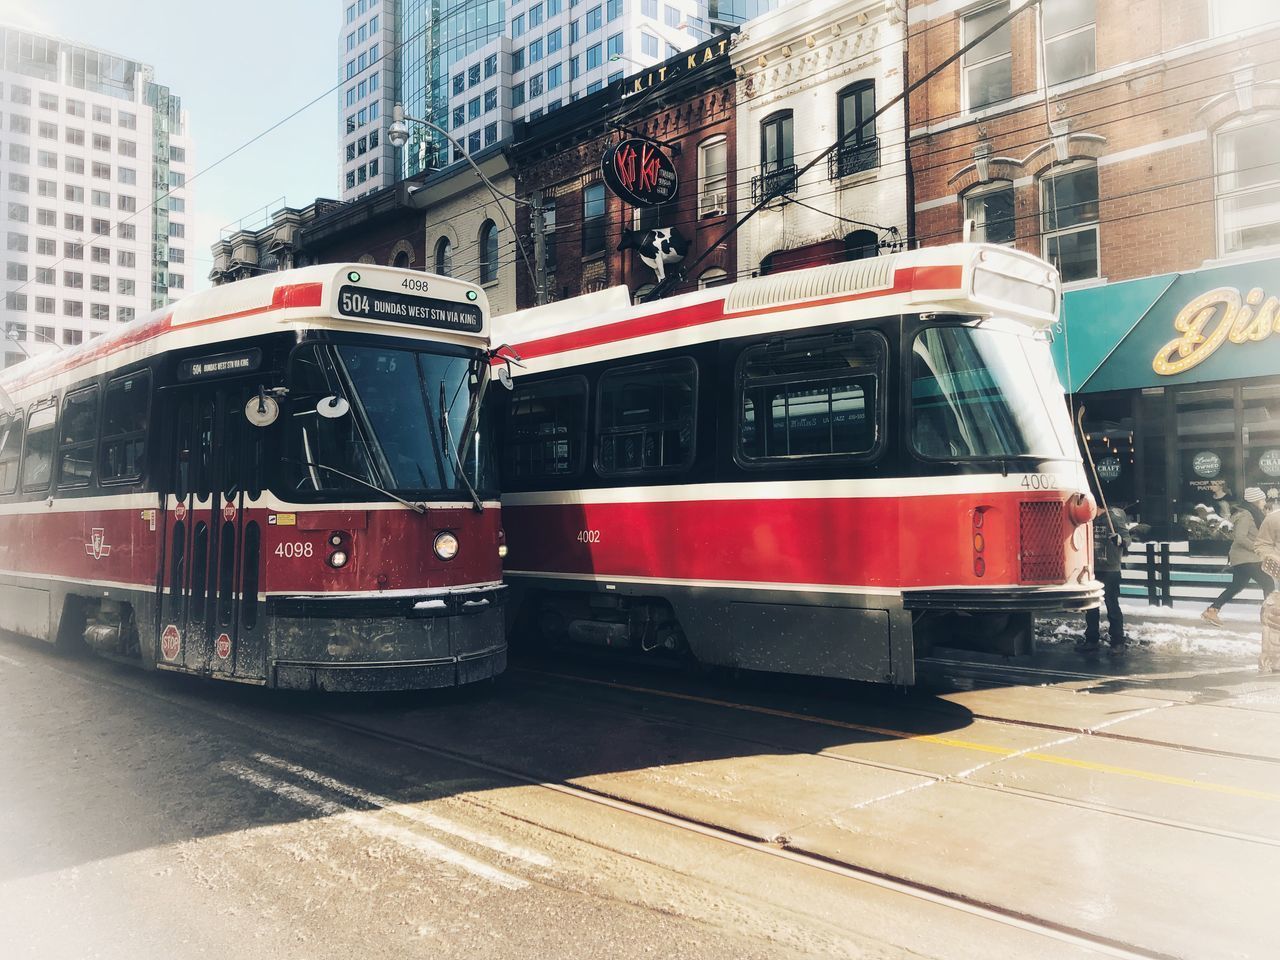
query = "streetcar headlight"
{"x": 335, "y": 539}
{"x": 1081, "y": 509}
{"x": 502, "y": 551}
{"x": 338, "y": 559}
{"x": 446, "y": 545}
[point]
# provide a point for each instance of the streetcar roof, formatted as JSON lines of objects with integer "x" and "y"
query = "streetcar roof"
{"x": 973, "y": 279}
{"x": 308, "y": 297}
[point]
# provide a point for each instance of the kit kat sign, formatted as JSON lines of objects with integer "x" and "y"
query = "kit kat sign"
{"x": 640, "y": 172}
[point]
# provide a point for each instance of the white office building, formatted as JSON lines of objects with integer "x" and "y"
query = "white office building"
{"x": 473, "y": 67}
{"x": 94, "y": 157}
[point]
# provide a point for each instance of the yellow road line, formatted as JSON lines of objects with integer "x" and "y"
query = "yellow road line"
{"x": 951, "y": 742}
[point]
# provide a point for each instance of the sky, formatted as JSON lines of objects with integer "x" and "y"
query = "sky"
{"x": 239, "y": 66}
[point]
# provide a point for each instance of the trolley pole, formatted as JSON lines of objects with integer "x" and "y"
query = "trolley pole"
{"x": 537, "y": 226}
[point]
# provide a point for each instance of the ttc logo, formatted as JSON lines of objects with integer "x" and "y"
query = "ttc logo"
{"x": 97, "y": 546}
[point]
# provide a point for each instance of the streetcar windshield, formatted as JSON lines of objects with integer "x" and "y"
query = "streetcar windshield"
{"x": 986, "y": 392}
{"x": 404, "y": 421}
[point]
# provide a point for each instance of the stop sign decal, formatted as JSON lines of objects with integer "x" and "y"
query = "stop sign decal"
{"x": 223, "y": 647}
{"x": 170, "y": 642}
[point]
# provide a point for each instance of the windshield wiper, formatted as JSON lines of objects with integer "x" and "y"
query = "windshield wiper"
{"x": 476, "y": 505}
{"x": 414, "y": 505}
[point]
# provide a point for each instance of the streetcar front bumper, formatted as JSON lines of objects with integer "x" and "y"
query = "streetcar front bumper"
{"x": 431, "y": 639}
{"x": 1071, "y": 598}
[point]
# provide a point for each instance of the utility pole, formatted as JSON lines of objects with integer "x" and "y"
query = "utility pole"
{"x": 537, "y": 227}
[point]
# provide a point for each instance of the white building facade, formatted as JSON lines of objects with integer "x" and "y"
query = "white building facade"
{"x": 811, "y": 73}
{"x": 367, "y": 47}
{"x": 94, "y": 159}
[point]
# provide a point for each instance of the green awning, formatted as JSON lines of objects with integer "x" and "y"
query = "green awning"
{"x": 1121, "y": 336}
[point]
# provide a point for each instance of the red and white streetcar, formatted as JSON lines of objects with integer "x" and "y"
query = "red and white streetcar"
{"x": 821, "y": 472}
{"x": 281, "y": 481}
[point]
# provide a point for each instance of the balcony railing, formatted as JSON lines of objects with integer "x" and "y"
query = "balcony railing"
{"x": 775, "y": 183}
{"x": 853, "y": 157}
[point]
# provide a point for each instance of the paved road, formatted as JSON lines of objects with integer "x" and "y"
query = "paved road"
{"x": 579, "y": 811}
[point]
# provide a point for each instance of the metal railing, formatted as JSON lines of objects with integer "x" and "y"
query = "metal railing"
{"x": 853, "y": 157}
{"x": 775, "y": 183}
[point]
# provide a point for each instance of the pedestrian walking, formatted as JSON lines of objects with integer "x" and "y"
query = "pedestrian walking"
{"x": 1246, "y": 563}
{"x": 1111, "y": 541}
{"x": 1267, "y": 545}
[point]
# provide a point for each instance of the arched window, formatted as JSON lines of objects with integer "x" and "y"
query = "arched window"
{"x": 990, "y": 207}
{"x": 488, "y": 252}
{"x": 1069, "y": 219}
{"x": 712, "y": 277}
{"x": 861, "y": 244}
{"x": 1247, "y": 163}
{"x": 444, "y": 257}
{"x": 859, "y": 149}
{"x": 642, "y": 291}
{"x": 401, "y": 260}
{"x": 713, "y": 177}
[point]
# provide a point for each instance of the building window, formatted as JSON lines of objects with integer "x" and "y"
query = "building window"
{"x": 490, "y": 133}
{"x": 714, "y": 277}
{"x": 554, "y": 76}
{"x": 988, "y": 67}
{"x": 459, "y": 82}
{"x": 490, "y": 100}
{"x": 671, "y": 17}
{"x": 649, "y": 8}
{"x": 648, "y": 44}
{"x": 594, "y": 19}
{"x": 444, "y": 257}
{"x": 1232, "y": 16}
{"x": 777, "y": 158}
{"x": 595, "y": 56}
{"x": 128, "y": 121}
{"x": 517, "y": 27}
{"x": 575, "y": 69}
{"x": 473, "y": 141}
{"x": 859, "y": 148}
{"x": 535, "y": 85}
{"x": 488, "y": 252}
{"x": 1247, "y": 157}
{"x": 517, "y": 94}
{"x": 72, "y": 338}
{"x": 713, "y": 177}
{"x": 554, "y": 40}
{"x": 101, "y": 171}
{"x": 554, "y": 7}
{"x": 535, "y": 51}
{"x": 593, "y": 219}
{"x": 1069, "y": 215}
{"x": 101, "y": 142}
{"x": 990, "y": 208}
{"x": 490, "y": 65}
{"x": 127, "y": 175}
{"x": 473, "y": 109}
{"x": 535, "y": 15}
{"x": 517, "y": 60}
{"x": 615, "y": 46}
{"x": 1069, "y": 30}
{"x": 459, "y": 116}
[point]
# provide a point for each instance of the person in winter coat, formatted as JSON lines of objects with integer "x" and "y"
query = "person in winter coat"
{"x": 1245, "y": 562}
{"x": 1267, "y": 545}
{"x": 1111, "y": 540}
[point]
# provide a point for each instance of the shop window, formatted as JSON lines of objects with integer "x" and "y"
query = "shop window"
{"x": 1206, "y": 432}
{"x": 1069, "y": 30}
{"x": 713, "y": 177}
{"x": 1261, "y": 426}
{"x": 488, "y": 252}
{"x": 444, "y": 257}
{"x": 861, "y": 245}
{"x": 124, "y": 428}
{"x": 806, "y": 399}
{"x": 546, "y": 430}
{"x": 1247, "y": 157}
{"x": 990, "y": 208}
{"x": 593, "y": 219}
{"x": 988, "y": 67}
{"x": 646, "y": 418}
{"x": 1069, "y": 220}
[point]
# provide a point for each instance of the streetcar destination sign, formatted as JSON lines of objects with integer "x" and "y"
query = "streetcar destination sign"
{"x": 219, "y": 365}
{"x": 394, "y": 307}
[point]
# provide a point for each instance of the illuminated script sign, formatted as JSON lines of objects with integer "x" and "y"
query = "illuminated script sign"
{"x": 640, "y": 172}
{"x": 1212, "y": 319}
{"x": 394, "y": 307}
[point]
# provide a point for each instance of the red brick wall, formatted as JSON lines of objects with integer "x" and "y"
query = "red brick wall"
{"x": 1156, "y": 209}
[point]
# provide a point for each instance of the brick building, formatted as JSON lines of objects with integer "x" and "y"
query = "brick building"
{"x": 684, "y": 103}
{"x": 1136, "y": 144}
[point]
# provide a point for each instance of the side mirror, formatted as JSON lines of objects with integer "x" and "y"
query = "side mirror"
{"x": 333, "y": 408}
{"x": 262, "y": 410}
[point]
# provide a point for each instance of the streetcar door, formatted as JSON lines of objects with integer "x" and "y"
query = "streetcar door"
{"x": 211, "y": 614}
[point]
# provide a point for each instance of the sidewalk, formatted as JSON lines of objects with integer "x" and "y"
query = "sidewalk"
{"x": 1169, "y": 630}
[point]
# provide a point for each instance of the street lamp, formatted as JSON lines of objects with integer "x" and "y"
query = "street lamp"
{"x": 398, "y": 134}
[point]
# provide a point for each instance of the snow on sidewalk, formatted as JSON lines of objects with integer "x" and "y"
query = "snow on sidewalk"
{"x": 1174, "y": 630}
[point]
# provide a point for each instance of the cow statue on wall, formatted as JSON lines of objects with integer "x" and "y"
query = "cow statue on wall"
{"x": 656, "y": 248}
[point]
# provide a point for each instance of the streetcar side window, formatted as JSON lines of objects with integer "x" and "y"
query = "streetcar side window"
{"x": 807, "y": 399}
{"x": 647, "y": 415}
{"x": 124, "y": 428}
{"x": 78, "y": 438}
{"x": 10, "y": 452}
{"x": 546, "y": 429}
{"x": 37, "y": 460}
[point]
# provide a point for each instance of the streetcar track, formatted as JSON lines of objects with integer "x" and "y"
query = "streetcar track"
{"x": 821, "y": 720}
{"x": 963, "y": 777}
{"x": 780, "y": 848}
